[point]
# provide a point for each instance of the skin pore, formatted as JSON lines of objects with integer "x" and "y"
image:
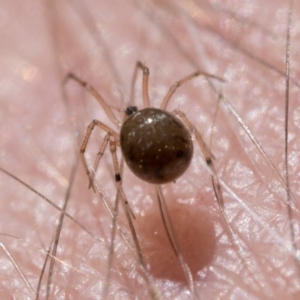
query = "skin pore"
{"x": 43, "y": 125}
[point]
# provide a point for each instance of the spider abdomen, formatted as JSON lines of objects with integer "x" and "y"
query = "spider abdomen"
{"x": 156, "y": 145}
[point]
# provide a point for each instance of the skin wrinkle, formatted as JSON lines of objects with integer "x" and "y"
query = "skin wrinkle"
{"x": 101, "y": 41}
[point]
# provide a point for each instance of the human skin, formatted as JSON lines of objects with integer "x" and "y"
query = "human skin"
{"x": 43, "y": 125}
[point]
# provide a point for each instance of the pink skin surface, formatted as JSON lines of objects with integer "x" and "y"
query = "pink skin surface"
{"x": 42, "y": 128}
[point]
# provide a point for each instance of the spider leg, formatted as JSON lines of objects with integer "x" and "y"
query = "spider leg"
{"x": 98, "y": 158}
{"x": 242, "y": 253}
{"x": 179, "y": 83}
{"x": 97, "y": 96}
{"x": 145, "y": 71}
{"x": 118, "y": 177}
{"x": 208, "y": 156}
{"x": 85, "y": 142}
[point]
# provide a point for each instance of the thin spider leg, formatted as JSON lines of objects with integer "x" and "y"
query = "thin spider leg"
{"x": 98, "y": 158}
{"x": 111, "y": 247}
{"x": 129, "y": 215}
{"x": 208, "y": 156}
{"x": 97, "y": 96}
{"x": 132, "y": 86}
{"x": 118, "y": 178}
{"x": 145, "y": 71}
{"x": 177, "y": 84}
{"x": 219, "y": 196}
{"x": 86, "y": 140}
{"x": 169, "y": 228}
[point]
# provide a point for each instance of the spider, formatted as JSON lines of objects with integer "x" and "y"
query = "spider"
{"x": 156, "y": 145}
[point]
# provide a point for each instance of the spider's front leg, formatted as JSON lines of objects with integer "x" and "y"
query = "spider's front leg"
{"x": 89, "y": 131}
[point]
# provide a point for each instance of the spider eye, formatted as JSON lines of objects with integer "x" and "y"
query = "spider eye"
{"x": 131, "y": 110}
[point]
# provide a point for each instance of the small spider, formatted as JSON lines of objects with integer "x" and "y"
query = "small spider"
{"x": 156, "y": 145}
